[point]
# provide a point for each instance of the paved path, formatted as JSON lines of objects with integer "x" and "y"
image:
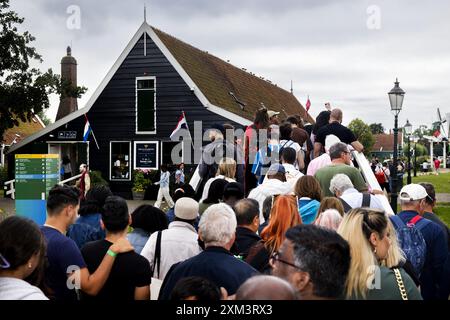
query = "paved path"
{"x": 8, "y": 206}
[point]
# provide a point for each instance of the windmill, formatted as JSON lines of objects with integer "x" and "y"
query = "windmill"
{"x": 443, "y": 134}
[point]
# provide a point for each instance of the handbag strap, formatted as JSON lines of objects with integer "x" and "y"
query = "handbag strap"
{"x": 401, "y": 285}
{"x": 157, "y": 257}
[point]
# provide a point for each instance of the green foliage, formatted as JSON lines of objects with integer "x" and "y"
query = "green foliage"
{"x": 24, "y": 90}
{"x": 141, "y": 180}
{"x": 46, "y": 120}
{"x": 97, "y": 179}
{"x": 3, "y": 176}
{"x": 363, "y": 133}
{"x": 376, "y": 128}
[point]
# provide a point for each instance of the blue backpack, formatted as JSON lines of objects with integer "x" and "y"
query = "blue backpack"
{"x": 412, "y": 241}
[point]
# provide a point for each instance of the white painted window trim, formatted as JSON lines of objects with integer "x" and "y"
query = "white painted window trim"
{"x": 110, "y": 160}
{"x": 157, "y": 154}
{"x": 136, "y": 103}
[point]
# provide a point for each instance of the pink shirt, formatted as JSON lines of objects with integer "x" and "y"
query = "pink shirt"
{"x": 318, "y": 163}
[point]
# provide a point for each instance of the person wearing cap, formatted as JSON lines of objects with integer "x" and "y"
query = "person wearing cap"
{"x": 433, "y": 278}
{"x": 214, "y": 152}
{"x": 273, "y": 117}
{"x": 217, "y": 230}
{"x": 274, "y": 184}
{"x": 335, "y": 127}
{"x": 178, "y": 242}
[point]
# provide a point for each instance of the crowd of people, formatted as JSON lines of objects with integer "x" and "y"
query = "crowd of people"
{"x": 286, "y": 217}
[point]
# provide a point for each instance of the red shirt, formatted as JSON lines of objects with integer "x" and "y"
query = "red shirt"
{"x": 437, "y": 163}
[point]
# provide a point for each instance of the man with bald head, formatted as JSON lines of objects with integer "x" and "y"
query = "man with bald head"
{"x": 265, "y": 288}
{"x": 335, "y": 127}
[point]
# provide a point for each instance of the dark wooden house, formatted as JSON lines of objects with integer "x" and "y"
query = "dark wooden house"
{"x": 138, "y": 103}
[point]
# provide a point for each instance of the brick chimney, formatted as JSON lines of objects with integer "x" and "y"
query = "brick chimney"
{"x": 68, "y": 105}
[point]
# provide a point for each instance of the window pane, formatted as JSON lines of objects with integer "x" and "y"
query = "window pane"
{"x": 120, "y": 160}
{"x": 146, "y": 110}
{"x": 146, "y": 84}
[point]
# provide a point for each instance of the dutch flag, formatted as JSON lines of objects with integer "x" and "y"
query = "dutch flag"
{"x": 87, "y": 130}
{"x": 182, "y": 124}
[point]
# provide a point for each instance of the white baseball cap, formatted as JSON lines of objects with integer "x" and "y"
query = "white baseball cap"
{"x": 413, "y": 192}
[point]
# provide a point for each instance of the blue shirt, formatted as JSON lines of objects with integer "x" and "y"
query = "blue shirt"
{"x": 262, "y": 160}
{"x": 86, "y": 229}
{"x": 434, "y": 279}
{"x": 215, "y": 264}
{"x": 164, "y": 179}
{"x": 308, "y": 209}
{"x": 138, "y": 238}
{"x": 63, "y": 257}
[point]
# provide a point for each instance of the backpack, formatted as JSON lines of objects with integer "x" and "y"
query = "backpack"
{"x": 412, "y": 241}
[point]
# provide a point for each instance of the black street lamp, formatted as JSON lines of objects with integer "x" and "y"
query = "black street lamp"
{"x": 396, "y": 96}
{"x": 408, "y": 131}
{"x": 415, "y": 139}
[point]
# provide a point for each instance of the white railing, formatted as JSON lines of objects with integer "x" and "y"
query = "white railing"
{"x": 9, "y": 188}
{"x": 70, "y": 179}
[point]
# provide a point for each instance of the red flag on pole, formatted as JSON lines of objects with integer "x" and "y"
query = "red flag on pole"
{"x": 308, "y": 105}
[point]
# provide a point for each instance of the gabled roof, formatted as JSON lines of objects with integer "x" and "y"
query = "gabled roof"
{"x": 22, "y": 131}
{"x": 385, "y": 142}
{"x": 223, "y": 84}
{"x": 210, "y": 79}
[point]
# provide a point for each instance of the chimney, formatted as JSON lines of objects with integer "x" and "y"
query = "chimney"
{"x": 68, "y": 105}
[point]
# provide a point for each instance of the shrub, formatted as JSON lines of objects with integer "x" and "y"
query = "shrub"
{"x": 97, "y": 179}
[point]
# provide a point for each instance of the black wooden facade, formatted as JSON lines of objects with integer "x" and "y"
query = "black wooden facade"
{"x": 113, "y": 115}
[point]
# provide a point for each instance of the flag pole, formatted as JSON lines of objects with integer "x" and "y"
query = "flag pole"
{"x": 187, "y": 125}
{"x": 92, "y": 131}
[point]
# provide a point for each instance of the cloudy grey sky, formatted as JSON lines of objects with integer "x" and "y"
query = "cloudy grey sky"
{"x": 335, "y": 51}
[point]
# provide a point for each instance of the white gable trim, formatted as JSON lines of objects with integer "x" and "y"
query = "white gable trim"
{"x": 194, "y": 88}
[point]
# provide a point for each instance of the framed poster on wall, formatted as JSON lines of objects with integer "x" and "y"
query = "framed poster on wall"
{"x": 146, "y": 155}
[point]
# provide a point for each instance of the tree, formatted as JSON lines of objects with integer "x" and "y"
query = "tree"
{"x": 46, "y": 120}
{"x": 363, "y": 133}
{"x": 24, "y": 90}
{"x": 376, "y": 128}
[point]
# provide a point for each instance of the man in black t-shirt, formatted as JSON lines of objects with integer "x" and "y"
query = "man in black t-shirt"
{"x": 336, "y": 128}
{"x": 130, "y": 275}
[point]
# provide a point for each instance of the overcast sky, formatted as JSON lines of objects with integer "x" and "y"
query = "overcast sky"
{"x": 345, "y": 52}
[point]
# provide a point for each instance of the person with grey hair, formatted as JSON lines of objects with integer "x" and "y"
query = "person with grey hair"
{"x": 343, "y": 189}
{"x": 335, "y": 127}
{"x": 425, "y": 245}
{"x": 265, "y": 287}
{"x": 340, "y": 163}
{"x": 217, "y": 230}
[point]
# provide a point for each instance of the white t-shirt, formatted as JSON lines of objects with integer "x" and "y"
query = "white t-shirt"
{"x": 290, "y": 144}
{"x": 17, "y": 289}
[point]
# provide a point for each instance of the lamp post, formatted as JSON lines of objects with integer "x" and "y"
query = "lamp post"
{"x": 415, "y": 139}
{"x": 396, "y": 96}
{"x": 408, "y": 131}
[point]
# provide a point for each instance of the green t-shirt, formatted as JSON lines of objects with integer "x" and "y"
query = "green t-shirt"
{"x": 388, "y": 288}
{"x": 325, "y": 174}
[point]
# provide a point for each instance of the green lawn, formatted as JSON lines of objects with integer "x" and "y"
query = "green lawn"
{"x": 443, "y": 211}
{"x": 441, "y": 182}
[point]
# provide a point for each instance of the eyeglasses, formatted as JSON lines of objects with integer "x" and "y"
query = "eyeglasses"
{"x": 276, "y": 257}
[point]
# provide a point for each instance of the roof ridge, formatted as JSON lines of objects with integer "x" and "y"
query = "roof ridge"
{"x": 251, "y": 74}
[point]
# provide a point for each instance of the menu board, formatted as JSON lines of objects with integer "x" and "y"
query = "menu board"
{"x": 146, "y": 155}
{"x": 35, "y": 175}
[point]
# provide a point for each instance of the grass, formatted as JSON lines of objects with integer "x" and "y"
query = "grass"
{"x": 442, "y": 210}
{"x": 441, "y": 182}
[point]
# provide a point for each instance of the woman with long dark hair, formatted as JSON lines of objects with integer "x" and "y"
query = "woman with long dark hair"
{"x": 22, "y": 259}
